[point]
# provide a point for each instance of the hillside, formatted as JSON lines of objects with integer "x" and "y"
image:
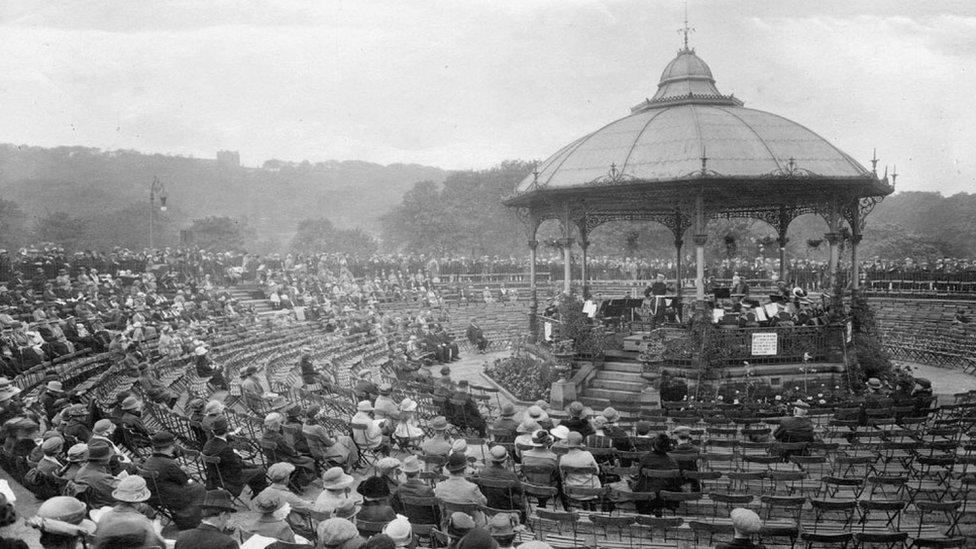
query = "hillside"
{"x": 85, "y": 182}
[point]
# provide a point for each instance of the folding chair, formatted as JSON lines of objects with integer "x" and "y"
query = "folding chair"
{"x": 542, "y": 494}
{"x": 742, "y": 481}
{"x": 421, "y": 510}
{"x": 891, "y": 510}
{"x": 723, "y": 532}
{"x": 891, "y": 487}
{"x": 650, "y": 524}
{"x": 730, "y": 501}
{"x": 790, "y": 507}
{"x": 618, "y": 524}
{"x": 560, "y": 519}
{"x": 815, "y": 540}
{"x": 368, "y": 529}
{"x": 367, "y": 456}
{"x": 886, "y": 540}
{"x": 949, "y": 510}
{"x": 834, "y": 511}
{"x": 779, "y": 532}
{"x": 677, "y": 500}
{"x": 786, "y": 483}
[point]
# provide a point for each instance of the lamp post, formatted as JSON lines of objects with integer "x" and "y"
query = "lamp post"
{"x": 155, "y": 189}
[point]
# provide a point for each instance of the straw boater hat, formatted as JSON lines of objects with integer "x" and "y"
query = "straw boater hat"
{"x": 560, "y": 432}
{"x": 439, "y": 423}
{"x": 54, "y": 387}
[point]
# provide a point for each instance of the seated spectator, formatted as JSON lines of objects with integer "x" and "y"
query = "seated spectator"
{"x": 456, "y": 488}
{"x": 501, "y": 527}
{"x": 576, "y": 421}
{"x": 745, "y": 523}
{"x": 127, "y": 530}
{"x": 400, "y": 531}
{"x": 798, "y": 428}
{"x": 372, "y": 436}
{"x": 232, "y": 468}
{"x": 505, "y": 427}
{"x": 216, "y": 509}
{"x": 439, "y": 444}
{"x": 76, "y": 457}
{"x": 376, "y": 507}
{"x": 154, "y": 389}
{"x": 476, "y": 336}
{"x": 206, "y": 368}
{"x": 577, "y": 457}
{"x": 339, "y": 533}
{"x": 335, "y": 491}
{"x": 272, "y": 523}
{"x": 388, "y": 469}
{"x": 685, "y": 448}
{"x": 523, "y": 441}
{"x": 413, "y": 487}
{"x": 407, "y": 431}
{"x": 279, "y": 475}
{"x": 277, "y": 447}
{"x": 75, "y": 427}
{"x": 174, "y": 490}
{"x": 599, "y": 438}
{"x": 385, "y": 407}
{"x": 95, "y": 474}
{"x": 458, "y": 526}
{"x": 465, "y": 413}
{"x": 539, "y": 415}
{"x": 323, "y": 446}
{"x": 656, "y": 460}
{"x": 643, "y": 440}
{"x": 135, "y": 432}
{"x": 62, "y": 523}
{"x": 130, "y": 496}
{"x": 251, "y": 389}
{"x": 510, "y": 498}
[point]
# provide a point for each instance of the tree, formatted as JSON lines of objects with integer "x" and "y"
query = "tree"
{"x": 63, "y": 229}
{"x": 321, "y": 235}
{"x": 13, "y": 231}
{"x": 221, "y": 233}
{"x": 421, "y": 223}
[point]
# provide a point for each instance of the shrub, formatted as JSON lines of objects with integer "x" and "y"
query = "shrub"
{"x": 525, "y": 377}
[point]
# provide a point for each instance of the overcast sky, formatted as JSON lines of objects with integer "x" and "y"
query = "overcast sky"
{"x": 463, "y": 84}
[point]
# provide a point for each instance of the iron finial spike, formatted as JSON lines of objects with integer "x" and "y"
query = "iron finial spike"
{"x": 686, "y": 30}
{"x": 874, "y": 162}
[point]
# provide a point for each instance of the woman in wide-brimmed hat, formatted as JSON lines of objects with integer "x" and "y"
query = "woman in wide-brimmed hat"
{"x": 336, "y": 490}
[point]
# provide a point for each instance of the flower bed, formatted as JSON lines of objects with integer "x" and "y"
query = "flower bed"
{"x": 526, "y": 378}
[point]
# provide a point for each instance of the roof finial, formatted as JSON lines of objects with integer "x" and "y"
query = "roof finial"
{"x": 874, "y": 162}
{"x": 686, "y": 29}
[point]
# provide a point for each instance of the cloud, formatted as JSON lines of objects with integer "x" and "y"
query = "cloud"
{"x": 466, "y": 84}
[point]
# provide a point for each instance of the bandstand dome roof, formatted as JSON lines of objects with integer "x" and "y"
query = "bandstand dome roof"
{"x": 666, "y": 137}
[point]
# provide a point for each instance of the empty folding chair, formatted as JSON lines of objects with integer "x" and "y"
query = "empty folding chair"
{"x": 814, "y": 540}
{"x": 648, "y": 526}
{"x": 948, "y": 513}
{"x": 722, "y": 504}
{"x": 833, "y": 513}
{"x": 880, "y": 540}
{"x": 889, "y": 510}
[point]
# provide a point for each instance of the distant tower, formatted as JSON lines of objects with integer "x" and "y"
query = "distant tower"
{"x": 229, "y": 159}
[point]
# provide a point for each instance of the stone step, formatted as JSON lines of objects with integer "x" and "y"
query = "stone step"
{"x": 630, "y": 387}
{"x": 615, "y": 366}
{"x": 612, "y": 394}
{"x": 631, "y": 377}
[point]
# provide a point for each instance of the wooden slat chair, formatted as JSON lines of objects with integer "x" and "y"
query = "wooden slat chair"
{"x": 891, "y": 509}
{"x": 543, "y": 494}
{"x": 783, "y": 507}
{"x": 648, "y": 525}
{"x": 831, "y": 486}
{"x": 822, "y": 540}
{"x": 746, "y": 482}
{"x": 421, "y": 510}
{"x": 608, "y": 525}
{"x": 886, "y": 540}
{"x": 711, "y": 531}
{"x": 947, "y": 510}
{"x": 833, "y": 511}
{"x": 679, "y": 501}
{"x": 565, "y": 523}
{"x": 786, "y": 483}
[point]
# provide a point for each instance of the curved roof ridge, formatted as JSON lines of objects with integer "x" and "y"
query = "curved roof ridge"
{"x": 853, "y": 162}
{"x": 754, "y": 132}
{"x": 630, "y": 151}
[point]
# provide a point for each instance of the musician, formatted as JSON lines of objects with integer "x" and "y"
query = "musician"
{"x": 658, "y": 287}
{"x": 739, "y": 286}
{"x": 654, "y": 299}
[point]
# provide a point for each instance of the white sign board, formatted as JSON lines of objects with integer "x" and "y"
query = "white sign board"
{"x": 764, "y": 343}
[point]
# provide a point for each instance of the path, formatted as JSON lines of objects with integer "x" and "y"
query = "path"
{"x": 946, "y": 382}
{"x": 470, "y": 367}
{"x": 26, "y": 507}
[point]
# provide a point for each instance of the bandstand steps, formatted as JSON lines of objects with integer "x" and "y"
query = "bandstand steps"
{"x": 624, "y": 386}
{"x": 614, "y": 395}
{"x": 620, "y": 366}
{"x": 630, "y": 377}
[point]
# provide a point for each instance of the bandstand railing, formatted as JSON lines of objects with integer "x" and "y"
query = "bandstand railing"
{"x": 792, "y": 344}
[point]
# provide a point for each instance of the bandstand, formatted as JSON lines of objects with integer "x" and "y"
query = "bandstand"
{"x": 691, "y": 154}
{"x": 688, "y": 155}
